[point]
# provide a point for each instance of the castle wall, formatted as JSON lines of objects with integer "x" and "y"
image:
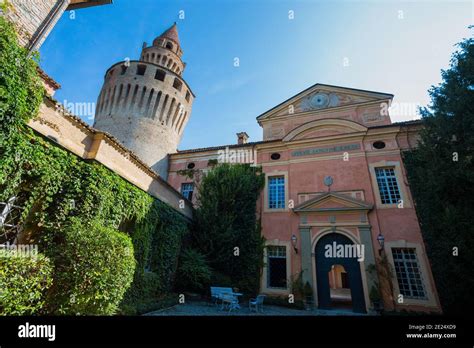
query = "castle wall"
{"x": 146, "y": 107}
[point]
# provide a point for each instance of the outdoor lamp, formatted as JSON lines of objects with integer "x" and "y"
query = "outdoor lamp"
{"x": 294, "y": 239}
{"x": 381, "y": 240}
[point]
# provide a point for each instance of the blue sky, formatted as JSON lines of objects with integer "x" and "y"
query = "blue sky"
{"x": 387, "y": 46}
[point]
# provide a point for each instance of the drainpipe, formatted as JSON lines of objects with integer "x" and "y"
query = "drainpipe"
{"x": 46, "y": 25}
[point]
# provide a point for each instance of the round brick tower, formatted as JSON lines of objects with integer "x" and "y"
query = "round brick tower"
{"x": 146, "y": 104}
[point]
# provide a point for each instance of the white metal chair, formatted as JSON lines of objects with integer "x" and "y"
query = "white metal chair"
{"x": 230, "y": 301}
{"x": 216, "y": 293}
{"x": 256, "y": 303}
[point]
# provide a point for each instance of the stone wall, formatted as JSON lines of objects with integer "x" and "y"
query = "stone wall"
{"x": 34, "y": 19}
{"x": 145, "y": 110}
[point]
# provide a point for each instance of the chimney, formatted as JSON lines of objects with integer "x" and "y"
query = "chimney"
{"x": 242, "y": 138}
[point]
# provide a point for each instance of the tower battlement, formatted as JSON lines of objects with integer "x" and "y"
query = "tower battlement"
{"x": 146, "y": 104}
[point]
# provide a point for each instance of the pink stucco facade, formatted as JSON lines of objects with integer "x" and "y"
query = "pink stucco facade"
{"x": 345, "y": 134}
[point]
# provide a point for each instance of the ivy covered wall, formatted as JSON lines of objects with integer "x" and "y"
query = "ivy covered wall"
{"x": 99, "y": 231}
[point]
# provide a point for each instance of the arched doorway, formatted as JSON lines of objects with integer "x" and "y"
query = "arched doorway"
{"x": 351, "y": 267}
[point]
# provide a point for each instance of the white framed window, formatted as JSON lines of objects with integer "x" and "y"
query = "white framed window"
{"x": 388, "y": 186}
{"x": 10, "y": 217}
{"x": 187, "y": 190}
{"x": 276, "y": 192}
{"x": 276, "y": 267}
{"x": 407, "y": 269}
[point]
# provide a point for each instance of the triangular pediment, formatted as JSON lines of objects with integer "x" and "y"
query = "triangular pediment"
{"x": 331, "y": 201}
{"x": 321, "y": 97}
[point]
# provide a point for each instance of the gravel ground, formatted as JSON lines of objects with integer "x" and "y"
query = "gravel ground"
{"x": 205, "y": 309}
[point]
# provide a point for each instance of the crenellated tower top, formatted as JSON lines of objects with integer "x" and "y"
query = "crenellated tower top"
{"x": 146, "y": 103}
{"x": 165, "y": 51}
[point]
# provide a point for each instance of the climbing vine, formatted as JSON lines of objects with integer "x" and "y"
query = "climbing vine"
{"x": 78, "y": 212}
{"x": 21, "y": 91}
{"x": 158, "y": 240}
{"x": 54, "y": 187}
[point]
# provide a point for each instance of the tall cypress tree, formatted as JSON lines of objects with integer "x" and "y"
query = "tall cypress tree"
{"x": 227, "y": 230}
{"x": 441, "y": 176}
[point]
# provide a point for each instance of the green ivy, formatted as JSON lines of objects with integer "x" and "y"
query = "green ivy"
{"x": 21, "y": 91}
{"x": 69, "y": 202}
{"x": 193, "y": 273}
{"x": 54, "y": 187}
{"x": 94, "y": 267}
{"x": 19, "y": 272}
{"x": 158, "y": 240}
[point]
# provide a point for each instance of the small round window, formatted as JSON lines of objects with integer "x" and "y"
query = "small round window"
{"x": 275, "y": 156}
{"x": 378, "y": 145}
{"x": 191, "y": 165}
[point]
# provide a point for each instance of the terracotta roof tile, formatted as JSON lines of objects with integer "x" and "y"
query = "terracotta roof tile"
{"x": 171, "y": 33}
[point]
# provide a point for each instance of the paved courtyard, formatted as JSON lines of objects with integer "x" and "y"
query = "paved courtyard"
{"x": 199, "y": 308}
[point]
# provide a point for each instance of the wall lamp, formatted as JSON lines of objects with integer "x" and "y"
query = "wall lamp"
{"x": 381, "y": 240}
{"x": 294, "y": 240}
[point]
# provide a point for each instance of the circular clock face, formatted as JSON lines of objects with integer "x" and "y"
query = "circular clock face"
{"x": 319, "y": 100}
{"x": 328, "y": 180}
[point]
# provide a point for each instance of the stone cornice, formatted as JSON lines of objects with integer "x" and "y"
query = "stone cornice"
{"x": 92, "y": 144}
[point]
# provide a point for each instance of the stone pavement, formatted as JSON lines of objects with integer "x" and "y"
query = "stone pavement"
{"x": 200, "y": 308}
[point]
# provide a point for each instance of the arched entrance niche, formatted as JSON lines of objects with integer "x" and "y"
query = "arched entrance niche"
{"x": 351, "y": 266}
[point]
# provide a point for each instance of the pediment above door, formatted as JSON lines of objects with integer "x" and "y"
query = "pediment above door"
{"x": 332, "y": 202}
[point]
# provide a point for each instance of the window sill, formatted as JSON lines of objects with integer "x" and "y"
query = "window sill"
{"x": 277, "y": 210}
{"x": 388, "y": 206}
{"x": 275, "y": 291}
{"x": 413, "y": 302}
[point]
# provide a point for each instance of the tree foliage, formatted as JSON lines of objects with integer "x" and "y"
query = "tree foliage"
{"x": 72, "y": 208}
{"x": 441, "y": 175}
{"x": 24, "y": 281}
{"x": 21, "y": 91}
{"x": 33, "y": 170}
{"x": 193, "y": 272}
{"x": 94, "y": 267}
{"x": 227, "y": 231}
{"x": 157, "y": 239}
